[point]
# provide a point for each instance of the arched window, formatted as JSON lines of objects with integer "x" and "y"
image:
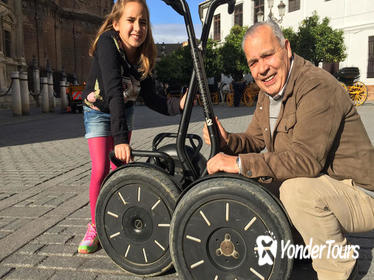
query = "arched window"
{"x": 238, "y": 15}
{"x": 217, "y": 28}
{"x": 371, "y": 58}
{"x": 293, "y": 5}
{"x": 7, "y": 43}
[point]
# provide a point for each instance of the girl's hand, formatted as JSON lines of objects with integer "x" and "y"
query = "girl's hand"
{"x": 123, "y": 152}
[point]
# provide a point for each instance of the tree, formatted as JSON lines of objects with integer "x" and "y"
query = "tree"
{"x": 291, "y": 36}
{"x": 176, "y": 67}
{"x": 318, "y": 42}
{"x": 233, "y": 59}
{"x": 212, "y": 61}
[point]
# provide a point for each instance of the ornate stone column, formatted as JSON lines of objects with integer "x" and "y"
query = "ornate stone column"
{"x": 19, "y": 51}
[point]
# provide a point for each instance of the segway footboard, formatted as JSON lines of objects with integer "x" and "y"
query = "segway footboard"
{"x": 229, "y": 228}
{"x": 133, "y": 214}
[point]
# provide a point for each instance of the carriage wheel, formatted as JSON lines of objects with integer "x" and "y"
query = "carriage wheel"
{"x": 344, "y": 86}
{"x": 133, "y": 214}
{"x": 215, "y": 98}
{"x": 229, "y": 228}
{"x": 230, "y": 99}
{"x": 358, "y": 93}
{"x": 248, "y": 99}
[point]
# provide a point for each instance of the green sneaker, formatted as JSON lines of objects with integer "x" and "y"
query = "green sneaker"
{"x": 90, "y": 241}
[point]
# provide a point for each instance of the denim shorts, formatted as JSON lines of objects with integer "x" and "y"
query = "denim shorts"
{"x": 97, "y": 124}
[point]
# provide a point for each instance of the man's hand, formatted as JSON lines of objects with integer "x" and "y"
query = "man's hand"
{"x": 224, "y": 138}
{"x": 123, "y": 152}
{"x": 222, "y": 162}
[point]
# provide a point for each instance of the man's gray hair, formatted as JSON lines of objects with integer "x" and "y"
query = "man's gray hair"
{"x": 277, "y": 31}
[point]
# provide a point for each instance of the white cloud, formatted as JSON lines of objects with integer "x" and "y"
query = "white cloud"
{"x": 172, "y": 33}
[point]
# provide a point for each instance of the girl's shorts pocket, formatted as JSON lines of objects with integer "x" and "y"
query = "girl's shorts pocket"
{"x": 96, "y": 123}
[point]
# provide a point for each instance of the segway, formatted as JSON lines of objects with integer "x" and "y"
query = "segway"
{"x": 136, "y": 201}
{"x": 134, "y": 212}
{"x": 226, "y": 226}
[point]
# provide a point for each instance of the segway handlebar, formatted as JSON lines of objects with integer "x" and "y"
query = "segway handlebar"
{"x": 231, "y": 7}
{"x": 191, "y": 137}
{"x": 198, "y": 81}
{"x": 176, "y": 5}
{"x": 140, "y": 153}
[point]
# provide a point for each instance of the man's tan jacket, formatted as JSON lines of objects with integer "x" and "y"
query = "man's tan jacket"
{"x": 318, "y": 132}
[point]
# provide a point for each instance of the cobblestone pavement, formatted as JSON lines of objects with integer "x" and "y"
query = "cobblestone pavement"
{"x": 44, "y": 175}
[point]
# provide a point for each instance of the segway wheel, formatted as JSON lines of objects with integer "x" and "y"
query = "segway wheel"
{"x": 229, "y": 228}
{"x": 133, "y": 214}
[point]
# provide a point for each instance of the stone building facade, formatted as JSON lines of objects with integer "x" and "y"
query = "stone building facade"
{"x": 57, "y": 32}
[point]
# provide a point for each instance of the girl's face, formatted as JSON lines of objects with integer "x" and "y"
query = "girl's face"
{"x": 132, "y": 26}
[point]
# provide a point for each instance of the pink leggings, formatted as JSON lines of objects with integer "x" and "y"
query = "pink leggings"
{"x": 99, "y": 148}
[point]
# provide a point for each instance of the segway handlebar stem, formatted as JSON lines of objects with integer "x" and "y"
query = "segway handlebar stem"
{"x": 198, "y": 79}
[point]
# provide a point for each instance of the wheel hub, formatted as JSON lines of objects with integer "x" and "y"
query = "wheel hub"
{"x": 227, "y": 248}
{"x": 137, "y": 224}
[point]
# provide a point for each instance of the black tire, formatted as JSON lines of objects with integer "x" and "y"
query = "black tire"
{"x": 133, "y": 214}
{"x": 214, "y": 230}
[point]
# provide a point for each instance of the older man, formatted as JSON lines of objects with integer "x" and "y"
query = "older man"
{"x": 316, "y": 148}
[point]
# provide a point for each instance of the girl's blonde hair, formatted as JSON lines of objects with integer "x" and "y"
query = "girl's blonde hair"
{"x": 147, "y": 51}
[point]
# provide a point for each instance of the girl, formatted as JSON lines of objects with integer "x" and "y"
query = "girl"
{"x": 124, "y": 54}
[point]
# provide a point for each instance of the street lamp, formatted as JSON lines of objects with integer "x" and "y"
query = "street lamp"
{"x": 260, "y": 16}
{"x": 281, "y": 10}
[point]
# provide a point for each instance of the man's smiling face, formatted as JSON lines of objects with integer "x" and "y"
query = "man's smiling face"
{"x": 268, "y": 61}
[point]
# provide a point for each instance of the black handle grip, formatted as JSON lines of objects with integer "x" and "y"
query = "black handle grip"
{"x": 176, "y": 5}
{"x": 231, "y": 6}
{"x": 140, "y": 153}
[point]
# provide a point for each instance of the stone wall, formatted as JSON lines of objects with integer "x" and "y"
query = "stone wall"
{"x": 61, "y": 31}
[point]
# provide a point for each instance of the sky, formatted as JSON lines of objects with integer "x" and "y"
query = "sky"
{"x": 168, "y": 26}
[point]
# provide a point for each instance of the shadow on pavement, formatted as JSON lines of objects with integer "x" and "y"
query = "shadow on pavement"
{"x": 41, "y": 127}
{"x": 146, "y": 118}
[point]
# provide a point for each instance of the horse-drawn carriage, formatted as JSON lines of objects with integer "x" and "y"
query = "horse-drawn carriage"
{"x": 348, "y": 77}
